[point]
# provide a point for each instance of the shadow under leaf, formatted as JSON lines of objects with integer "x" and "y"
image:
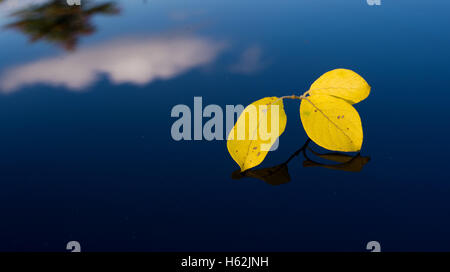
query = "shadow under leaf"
{"x": 355, "y": 164}
{"x": 276, "y": 175}
{"x": 279, "y": 174}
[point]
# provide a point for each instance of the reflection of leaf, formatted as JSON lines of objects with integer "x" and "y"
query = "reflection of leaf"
{"x": 354, "y": 165}
{"x": 341, "y": 83}
{"x": 280, "y": 175}
{"x": 256, "y": 130}
{"x": 58, "y": 22}
{"x": 335, "y": 156}
{"x": 276, "y": 175}
{"x": 331, "y": 123}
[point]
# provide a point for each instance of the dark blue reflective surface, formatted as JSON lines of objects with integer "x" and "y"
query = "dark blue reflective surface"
{"x": 86, "y": 152}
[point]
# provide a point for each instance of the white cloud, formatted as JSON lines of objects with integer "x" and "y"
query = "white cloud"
{"x": 138, "y": 61}
{"x": 249, "y": 62}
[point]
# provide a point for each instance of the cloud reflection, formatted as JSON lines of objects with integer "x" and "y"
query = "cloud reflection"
{"x": 250, "y": 61}
{"x": 8, "y": 6}
{"x": 138, "y": 61}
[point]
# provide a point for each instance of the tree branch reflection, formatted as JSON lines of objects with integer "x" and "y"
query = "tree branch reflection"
{"x": 59, "y": 23}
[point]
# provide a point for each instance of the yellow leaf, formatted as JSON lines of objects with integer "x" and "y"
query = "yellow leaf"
{"x": 331, "y": 123}
{"x": 256, "y": 131}
{"x": 342, "y": 83}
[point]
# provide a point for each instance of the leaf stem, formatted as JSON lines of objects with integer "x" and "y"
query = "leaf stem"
{"x": 303, "y": 96}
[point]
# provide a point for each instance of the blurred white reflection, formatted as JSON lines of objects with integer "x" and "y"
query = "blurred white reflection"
{"x": 250, "y": 61}
{"x": 138, "y": 61}
{"x": 9, "y": 6}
